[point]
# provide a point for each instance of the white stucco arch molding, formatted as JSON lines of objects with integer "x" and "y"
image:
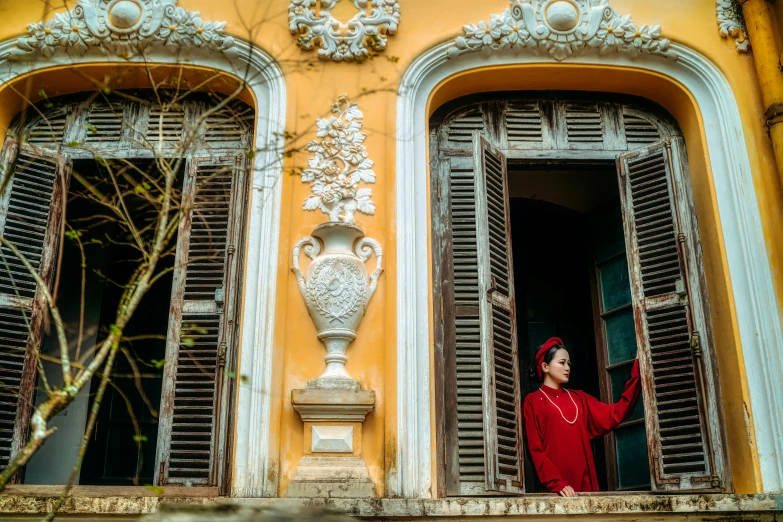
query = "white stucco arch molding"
{"x": 758, "y": 313}
{"x": 263, "y": 77}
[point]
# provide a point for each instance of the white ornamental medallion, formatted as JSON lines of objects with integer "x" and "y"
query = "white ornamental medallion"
{"x": 337, "y": 288}
{"x": 342, "y": 41}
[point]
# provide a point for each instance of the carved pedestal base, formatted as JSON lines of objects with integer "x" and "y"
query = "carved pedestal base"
{"x": 332, "y": 477}
{"x": 332, "y": 466}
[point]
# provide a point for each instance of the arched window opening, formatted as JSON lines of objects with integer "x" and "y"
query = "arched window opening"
{"x": 84, "y": 181}
{"x": 569, "y": 215}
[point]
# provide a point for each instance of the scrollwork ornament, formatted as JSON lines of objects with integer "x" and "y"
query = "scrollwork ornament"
{"x": 123, "y": 28}
{"x": 730, "y": 25}
{"x": 563, "y": 28}
{"x": 339, "y": 41}
{"x": 365, "y": 247}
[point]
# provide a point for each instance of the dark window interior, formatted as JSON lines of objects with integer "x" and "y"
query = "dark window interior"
{"x": 116, "y": 455}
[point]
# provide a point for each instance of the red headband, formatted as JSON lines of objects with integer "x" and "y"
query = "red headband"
{"x": 552, "y": 341}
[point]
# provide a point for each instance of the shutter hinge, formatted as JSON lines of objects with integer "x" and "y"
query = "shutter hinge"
{"x": 713, "y": 479}
{"x": 438, "y": 191}
{"x": 658, "y": 479}
{"x": 492, "y": 288}
{"x": 679, "y": 287}
{"x": 160, "y": 478}
{"x": 220, "y": 298}
{"x": 441, "y": 309}
{"x": 696, "y": 344}
{"x": 222, "y": 353}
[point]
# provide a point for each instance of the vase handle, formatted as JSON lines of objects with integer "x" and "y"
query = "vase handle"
{"x": 364, "y": 248}
{"x": 311, "y": 248}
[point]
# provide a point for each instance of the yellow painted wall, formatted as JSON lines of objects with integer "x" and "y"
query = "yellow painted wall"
{"x": 312, "y": 86}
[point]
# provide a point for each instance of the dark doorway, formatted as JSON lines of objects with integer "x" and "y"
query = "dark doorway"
{"x": 551, "y": 214}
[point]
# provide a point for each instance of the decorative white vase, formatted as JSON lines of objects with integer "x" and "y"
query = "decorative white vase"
{"x": 337, "y": 291}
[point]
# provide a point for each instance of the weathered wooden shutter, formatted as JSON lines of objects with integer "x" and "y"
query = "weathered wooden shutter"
{"x": 192, "y": 431}
{"x": 30, "y": 214}
{"x": 463, "y": 411}
{"x": 503, "y": 454}
{"x": 679, "y": 384}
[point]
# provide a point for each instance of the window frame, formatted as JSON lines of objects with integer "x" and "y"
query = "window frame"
{"x": 490, "y": 107}
{"x": 130, "y": 145}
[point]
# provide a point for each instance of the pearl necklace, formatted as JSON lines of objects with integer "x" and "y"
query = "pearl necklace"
{"x": 558, "y": 408}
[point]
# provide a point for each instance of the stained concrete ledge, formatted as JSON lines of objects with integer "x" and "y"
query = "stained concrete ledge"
{"x": 592, "y": 507}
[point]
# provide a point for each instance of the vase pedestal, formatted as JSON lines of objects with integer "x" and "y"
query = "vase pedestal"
{"x": 332, "y": 465}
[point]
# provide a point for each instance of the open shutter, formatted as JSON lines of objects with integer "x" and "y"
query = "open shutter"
{"x": 503, "y": 452}
{"x": 192, "y": 433}
{"x": 30, "y": 220}
{"x": 463, "y": 411}
{"x": 671, "y": 319}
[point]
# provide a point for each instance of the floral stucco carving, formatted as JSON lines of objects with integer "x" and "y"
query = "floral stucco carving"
{"x": 123, "y": 28}
{"x": 730, "y": 25}
{"x": 562, "y": 28}
{"x": 339, "y": 41}
{"x": 339, "y": 164}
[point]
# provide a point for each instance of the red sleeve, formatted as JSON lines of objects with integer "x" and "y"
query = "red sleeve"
{"x": 546, "y": 470}
{"x": 603, "y": 418}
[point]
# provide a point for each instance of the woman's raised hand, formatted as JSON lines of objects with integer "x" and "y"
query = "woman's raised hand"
{"x": 567, "y": 491}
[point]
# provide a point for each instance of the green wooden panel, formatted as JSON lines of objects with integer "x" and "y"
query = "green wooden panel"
{"x": 618, "y": 377}
{"x": 633, "y": 471}
{"x": 614, "y": 282}
{"x": 620, "y": 336}
{"x": 608, "y": 237}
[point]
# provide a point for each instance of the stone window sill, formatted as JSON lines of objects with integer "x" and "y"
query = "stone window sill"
{"x": 37, "y": 499}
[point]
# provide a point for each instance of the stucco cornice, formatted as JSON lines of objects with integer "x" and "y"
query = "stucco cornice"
{"x": 560, "y": 29}
{"x": 36, "y": 499}
{"x": 122, "y": 28}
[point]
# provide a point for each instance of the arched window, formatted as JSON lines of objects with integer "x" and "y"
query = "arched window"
{"x": 174, "y": 380}
{"x": 569, "y": 214}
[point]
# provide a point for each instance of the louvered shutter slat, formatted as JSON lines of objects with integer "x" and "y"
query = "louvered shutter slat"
{"x": 584, "y": 125}
{"x": 200, "y": 325}
{"x": 460, "y": 131}
{"x": 670, "y": 322}
{"x": 164, "y": 125}
{"x": 29, "y": 220}
{"x": 639, "y": 131}
{"x": 105, "y": 123}
{"x": 227, "y": 125}
{"x": 501, "y": 400}
{"x": 524, "y": 124}
{"x": 48, "y": 131}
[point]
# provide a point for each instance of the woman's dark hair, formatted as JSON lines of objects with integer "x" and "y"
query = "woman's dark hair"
{"x": 548, "y": 356}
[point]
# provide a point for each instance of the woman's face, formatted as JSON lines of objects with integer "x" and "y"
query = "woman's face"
{"x": 559, "y": 369}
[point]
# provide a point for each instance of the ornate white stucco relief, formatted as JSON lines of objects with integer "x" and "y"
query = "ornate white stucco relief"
{"x": 339, "y": 164}
{"x": 123, "y": 28}
{"x": 343, "y": 41}
{"x": 562, "y": 28}
{"x": 730, "y": 26}
{"x": 337, "y": 289}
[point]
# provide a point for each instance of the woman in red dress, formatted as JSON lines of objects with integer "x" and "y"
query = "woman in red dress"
{"x": 560, "y": 423}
